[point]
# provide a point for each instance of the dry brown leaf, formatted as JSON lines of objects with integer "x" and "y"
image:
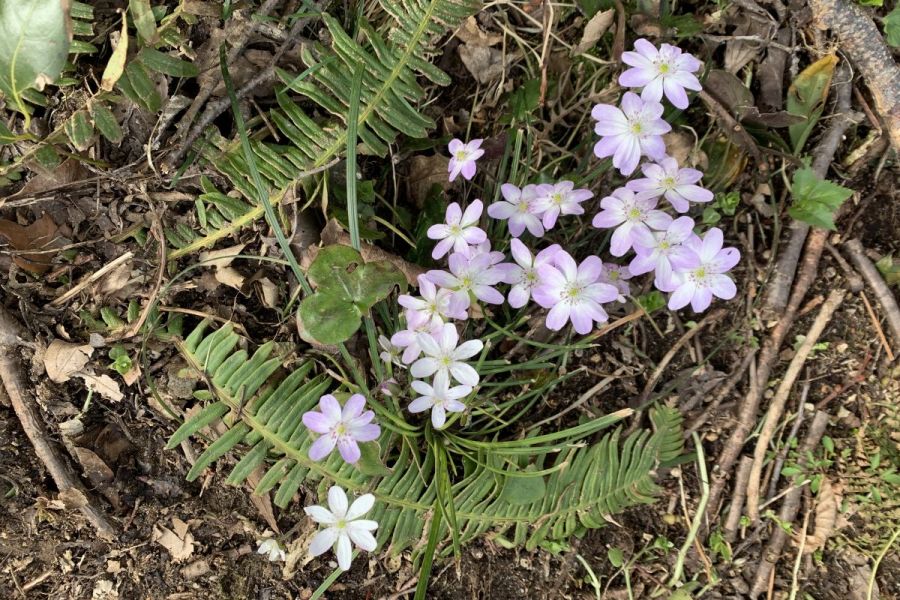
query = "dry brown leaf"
{"x": 114, "y": 281}
{"x": 827, "y": 502}
{"x": 39, "y": 236}
{"x": 62, "y": 360}
{"x": 104, "y": 385}
{"x": 221, "y": 261}
{"x": 45, "y": 179}
{"x": 178, "y": 541}
{"x": 268, "y": 293}
{"x": 72, "y": 498}
{"x": 485, "y": 64}
{"x": 97, "y": 471}
{"x": 594, "y": 30}
{"x": 470, "y": 33}
{"x": 424, "y": 173}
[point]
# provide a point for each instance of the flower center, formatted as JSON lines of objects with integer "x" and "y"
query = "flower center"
{"x": 455, "y": 230}
{"x": 664, "y": 245}
{"x": 668, "y": 182}
{"x": 461, "y": 155}
{"x": 340, "y": 429}
{"x": 637, "y": 128}
{"x": 634, "y": 214}
{"x": 530, "y": 277}
{"x": 465, "y": 282}
{"x": 572, "y": 293}
{"x": 340, "y": 524}
{"x": 664, "y": 68}
{"x": 613, "y": 276}
{"x": 699, "y": 275}
{"x": 523, "y": 207}
{"x": 557, "y": 198}
{"x": 445, "y": 361}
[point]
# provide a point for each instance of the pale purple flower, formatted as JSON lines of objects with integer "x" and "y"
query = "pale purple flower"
{"x": 627, "y": 133}
{"x": 667, "y": 70}
{"x": 476, "y": 275}
{"x": 573, "y": 292}
{"x": 617, "y": 276}
{"x": 484, "y": 248}
{"x": 434, "y": 302}
{"x": 676, "y": 185}
{"x": 459, "y": 230}
{"x": 443, "y": 356}
{"x": 525, "y": 276}
{"x": 628, "y": 215}
{"x": 341, "y": 428}
{"x": 558, "y": 199}
{"x": 390, "y": 354}
{"x": 463, "y": 157}
{"x": 656, "y": 250}
{"x": 271, "y": 548}
{"x": 408, "y": 339}
{"x": 343, "y": 526}
{"x": 519, "y": 207}
{"x": 439, "y": 397}
{"x": 700, "y": 275}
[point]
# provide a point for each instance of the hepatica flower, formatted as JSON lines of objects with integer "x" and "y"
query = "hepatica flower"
{"x": 344, "y": 526}
{"x": 617, "y": 276}
{"x": 674, "y": 184}
{"x": 700, "y": 274}
{"x": 463, "y": 157}
{"x": 439, "y": 397}
{"x": 459, "y": 230}
{"x": 270, "y": 548}
{"x": 656, "y": 250}
{"x": 434, "y": 303}
{"x": 525, "y": 276}
{"x": 341, "y": 428}
{"x": 573, "y": 292}
{"x": 476, "y": 275}
{"x": 408, "y": 339}
{"x": 559, "y": 199}
{"x": 628, "y": 132}
{"x": 630, "y": 216}
{"x": 443, "y": 356}
{"x": 518, "y": 206}
{"x": 668, "y": 71}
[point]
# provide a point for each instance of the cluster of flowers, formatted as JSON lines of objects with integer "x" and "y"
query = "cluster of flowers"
{"x": 690, "y": 267}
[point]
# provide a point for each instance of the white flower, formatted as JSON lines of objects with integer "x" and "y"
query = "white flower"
{"x": 519, "y": 207}
{"x": 433, "y": 303}
{"x": 458, "y": 230}
{"x": 463, "y": 157}
{"x": 559, "y": 199}
{"x": 270, "y": 546}
{"x": 442, "y": 356}
{"x": 343, "y": 526}
{"x": 439, "y": 397}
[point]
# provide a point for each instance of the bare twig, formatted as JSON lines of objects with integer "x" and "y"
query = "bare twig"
{"x": 875, "y": 281}
{"x": 782, "y": 454}
{"x": 27, "y": 411}
{"x": 776, "y": 407}
{"x": 98, "y": 274}
{"x": 789, "y": 510}
{"x": 862, "y": 42}
{"x": 723, "y": 392}
{"x": 780, "y": 285}
{"x": 737, "y": 499}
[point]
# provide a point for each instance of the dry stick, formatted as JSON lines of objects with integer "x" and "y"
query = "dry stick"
{"x": 214, "y": 109}
{"x": 722, "y": 393}
{"x": 789, "y": 509}
{"x": 874, "y": 280}
{"x": 782, "y": 454}
{"x": 27, "y": 411}
{"x": 776, "y": 407}
{"x": 746, "y": 419}
{"x": 688, "y": 335}
{"x": 860, "y": 40}
{"x": 737, "y": 500}
{"x": 99, "y": 273}
{"x": 780, "y": 285}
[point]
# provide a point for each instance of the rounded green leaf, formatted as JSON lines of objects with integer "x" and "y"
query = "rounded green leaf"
{"x": 34, "y": 43}
{"x": 331, "y": 261}
{"x": 328, "y": 318}
{"x": 374, "y": 281}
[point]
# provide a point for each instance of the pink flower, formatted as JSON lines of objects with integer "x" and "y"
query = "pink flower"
{"x": 573, "y": 292}
{"x": 409, "y": 337}
{"x": 559, "y": 199}
{"x": 433, "y": 303}
{"x": 617, "y": 276}
{"x": 519, "y": 208}
{"x": 476, "y": 275}
{"x": 460, "y": 229}
{"x": 676, "y": 185}
{"x": 630, "y": 216}
{"x": 525, "y": 275}
{"x": 439, "y": 397}
{"x": 484, "y": 248}
{"x": 667, "y": 70}
{"x": 463, "y": 157}
{"x": 656, "y": 250}
{"x": 700, "y": 275}
{"x": 443, "y": 356}
{"x": 627, "y": 133}
{"x": 341, "y": 428}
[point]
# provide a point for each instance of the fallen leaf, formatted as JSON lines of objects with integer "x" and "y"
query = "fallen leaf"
{"x": 116, "y": 65}
{"x": 62, "y": 360}
{"x": 424, "y": 173}
{"x": 594, "y": 30}
{"x": 29, "y": 239}
{"x": 827, "y": 503}
{"x": 72, "y": 498}
{"x": 114, "y": 281}
{"x": 45, "y": 180}
{"x": 104, "y": 385}
{"x": 221, "y": 261}
{"x": 97, "y": 471}
{"x": 268, "y": 293}
{"x": 179, "y": 543}
{"x": 470, "y": 33}
{"x": 485, "y": 64}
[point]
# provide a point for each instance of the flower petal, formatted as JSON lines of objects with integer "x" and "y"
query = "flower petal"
{"x": 360, "y": 506}
{"x": 362, "y": 538}
{"x": 320, "y": 514}
{"x": 344, "y": 552}
{"x": 321, "y": 448}
{"x": 323, "y": 541}
{"x": 464, "y": 374}
{"x": 317, "y": 422}
{"x": 354, "y": 407}
{"x": 349, "y": 449}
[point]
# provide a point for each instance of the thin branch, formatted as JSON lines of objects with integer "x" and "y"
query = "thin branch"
{"x": 874, "y": 280}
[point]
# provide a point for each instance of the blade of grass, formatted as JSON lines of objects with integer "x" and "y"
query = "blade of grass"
{"x": 434, "y": 533}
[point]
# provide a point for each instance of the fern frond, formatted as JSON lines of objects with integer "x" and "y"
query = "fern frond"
{"x": 527, "y": 500}
{"x": 388, "y": 99}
